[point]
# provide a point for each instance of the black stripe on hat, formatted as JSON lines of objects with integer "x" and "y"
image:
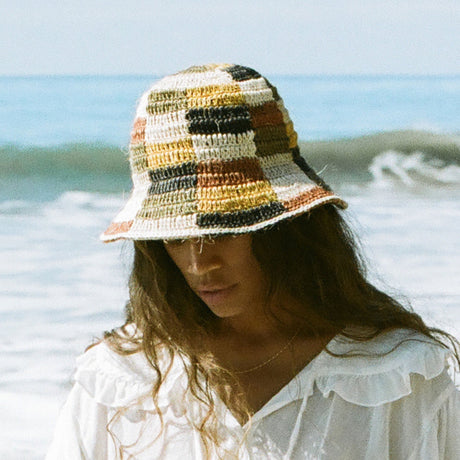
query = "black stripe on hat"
{"x": 300, "y": 161}
{"x": 243, "y": 218}
{"x": 178, "y": 183}
{"x": 172, "y": 178}
{"x": 241, "y": 73}
{"x": 185, "y": 169}
{"x": 233, "y": 119}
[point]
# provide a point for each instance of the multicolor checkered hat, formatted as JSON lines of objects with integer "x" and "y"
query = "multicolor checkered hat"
{"x": 213, "y": 151}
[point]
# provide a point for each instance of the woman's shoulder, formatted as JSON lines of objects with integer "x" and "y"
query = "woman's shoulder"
{"x": 386, "y": 348}
{"x": 118, "y": 379}
{"x": 386, "y": 368}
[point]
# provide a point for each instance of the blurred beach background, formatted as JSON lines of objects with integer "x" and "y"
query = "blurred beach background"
{"x": 388, "y": 143}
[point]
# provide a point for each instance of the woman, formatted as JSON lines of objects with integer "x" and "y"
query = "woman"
{"x": 251, "y": 330}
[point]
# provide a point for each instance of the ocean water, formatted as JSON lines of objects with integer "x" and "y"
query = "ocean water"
{"x": 389, "y": 145}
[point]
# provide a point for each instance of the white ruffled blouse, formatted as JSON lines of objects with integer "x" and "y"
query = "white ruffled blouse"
{"x": 399, "y": 406}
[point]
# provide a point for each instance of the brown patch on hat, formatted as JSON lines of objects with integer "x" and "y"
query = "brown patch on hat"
{"x": 214, "y": 173}
{"x": 306, "y": 198}
{"x": 267, "y": 114}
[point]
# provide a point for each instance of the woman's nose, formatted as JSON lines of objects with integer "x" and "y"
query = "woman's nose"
{"x": 202, "y": 259}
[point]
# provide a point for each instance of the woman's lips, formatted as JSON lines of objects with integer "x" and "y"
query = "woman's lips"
{"x": 216, "y": 295}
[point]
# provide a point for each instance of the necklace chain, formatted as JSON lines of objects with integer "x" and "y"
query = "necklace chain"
{"x": 272, "y": 358}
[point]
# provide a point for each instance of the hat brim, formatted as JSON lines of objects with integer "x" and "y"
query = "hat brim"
{"x": 129, "y": 227}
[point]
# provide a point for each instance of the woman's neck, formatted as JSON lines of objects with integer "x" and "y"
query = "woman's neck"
{"x": 259, "y": 324}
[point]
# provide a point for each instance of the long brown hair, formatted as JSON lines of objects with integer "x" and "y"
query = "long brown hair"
{"x": 314, "y": 258}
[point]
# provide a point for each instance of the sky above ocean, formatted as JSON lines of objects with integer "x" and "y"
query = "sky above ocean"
{"x": 294, "y": 36}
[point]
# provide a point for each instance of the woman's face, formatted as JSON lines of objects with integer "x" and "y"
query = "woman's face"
{"x": 223, "y": 272}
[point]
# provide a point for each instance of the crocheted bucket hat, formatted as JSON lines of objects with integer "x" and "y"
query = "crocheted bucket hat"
{"x": 213, "y": 151}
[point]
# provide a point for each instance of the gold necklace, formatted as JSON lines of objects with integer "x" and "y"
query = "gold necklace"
{"x": 272, "y": 358}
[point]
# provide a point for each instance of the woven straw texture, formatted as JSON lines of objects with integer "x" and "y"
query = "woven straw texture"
{"x": 213, "y": 151}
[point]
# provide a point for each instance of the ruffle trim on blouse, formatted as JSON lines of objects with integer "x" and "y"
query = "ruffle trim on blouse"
{"x": 363, "y": 378}
{"x": 126, "y": 380}
{"x": 372, "y": 380}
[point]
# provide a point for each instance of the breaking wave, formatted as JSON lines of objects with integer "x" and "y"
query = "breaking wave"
{"x": 405, "y": 158}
